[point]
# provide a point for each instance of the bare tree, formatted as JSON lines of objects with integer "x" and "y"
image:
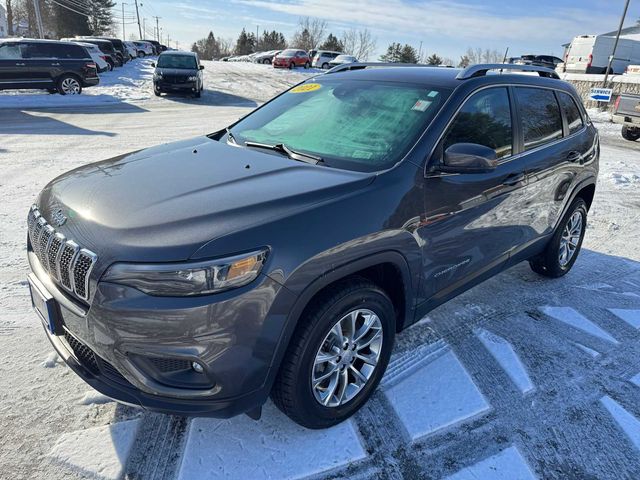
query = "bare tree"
{"x": 358, "y": 43}
{"x": 479, "y": 55}
{"x": 310, "y": 34}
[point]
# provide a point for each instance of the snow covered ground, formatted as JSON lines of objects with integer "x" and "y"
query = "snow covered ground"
{"x": 519, "y": 378}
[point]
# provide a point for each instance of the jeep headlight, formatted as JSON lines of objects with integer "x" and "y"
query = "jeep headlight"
{"x": 192, "y": 78}
{"x": 191, "y": 278}
{"x": 157, "y": 76}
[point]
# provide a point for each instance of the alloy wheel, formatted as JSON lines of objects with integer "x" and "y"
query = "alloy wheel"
{"x": 570, "y": 239}
{"x": 347, "y": 358}
{"x": 70, "y": 86}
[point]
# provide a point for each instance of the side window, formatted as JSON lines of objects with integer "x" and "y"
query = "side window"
{"x": 11, "y": 51}
{"x": 571, "y": 111}
{"x": 485, "y": 119}
{"x": 37, "y": 50}
{"x": 540, "y": 114}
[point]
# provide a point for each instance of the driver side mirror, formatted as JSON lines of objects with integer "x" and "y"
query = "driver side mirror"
{"x": 468, "y": 158}
{"x": 153, "y": 64}
{"x": 201, "y": 67}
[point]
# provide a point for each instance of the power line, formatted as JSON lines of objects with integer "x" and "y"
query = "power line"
{"x": 69, "y": 8}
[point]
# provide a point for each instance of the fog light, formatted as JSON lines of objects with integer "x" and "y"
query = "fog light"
{"x": 197, "y": 367}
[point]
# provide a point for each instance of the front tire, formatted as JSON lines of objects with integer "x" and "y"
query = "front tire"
{"x": 562, "y": 251}
{"x": 306, "y": 65}
{"x": 325, "y": 66}
{"x": 291, "y": 65}
{"x": 69, "y": 85}
{"x": 337, "y": 355}
{"x": 630, "y": 133}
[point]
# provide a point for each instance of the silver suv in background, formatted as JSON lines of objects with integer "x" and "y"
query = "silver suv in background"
{"x": 322, "y": 58}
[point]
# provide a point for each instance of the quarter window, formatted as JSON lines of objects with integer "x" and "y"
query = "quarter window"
{"x": 11, "y": 51}
{"x": 571, "y": 111}
{"x": 540, "y": 114}
{"x": 484, "y": 119}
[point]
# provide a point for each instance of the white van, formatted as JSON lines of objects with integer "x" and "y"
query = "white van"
{"x": 590, "y": 53}
{"x": 322, "y": 58}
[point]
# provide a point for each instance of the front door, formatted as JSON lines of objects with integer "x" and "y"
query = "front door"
{"x": 471, "y": 222}
{"x": 13, "y": 68}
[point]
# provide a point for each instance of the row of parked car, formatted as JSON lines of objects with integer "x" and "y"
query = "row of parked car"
{"x": 293, "y": 57}
{"x": 68, "y": 65}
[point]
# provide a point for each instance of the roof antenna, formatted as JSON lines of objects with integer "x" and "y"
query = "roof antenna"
{"x": 504, "y": 59}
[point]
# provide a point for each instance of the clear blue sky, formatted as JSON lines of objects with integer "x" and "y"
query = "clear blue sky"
{"x": 445, "y": 27}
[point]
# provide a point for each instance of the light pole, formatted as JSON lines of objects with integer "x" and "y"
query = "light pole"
{"x": 124, "y": 35}
{"x": 615, "y": 44}
{"x": 138, "y": 16}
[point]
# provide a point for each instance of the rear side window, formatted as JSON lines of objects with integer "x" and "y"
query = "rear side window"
{"x": 484, "y": 119}
{"x": 571, "y": 111}
{"x": 540, "y": 114}
{"x": 11, "y": 51}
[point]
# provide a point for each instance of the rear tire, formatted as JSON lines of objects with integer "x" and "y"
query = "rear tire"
{"x": 562, "y": 250}
{"x": 266, "y": 61}
{"x": 69, "y": 85}
{"x": 630, "y": 133}
{"x": 291, "y": 65}
{"x": 306, "y": 65}
{"x": 298, "y": 390}
{"x": 325, "y": 66}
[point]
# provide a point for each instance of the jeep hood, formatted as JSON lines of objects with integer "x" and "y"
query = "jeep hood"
{"x": 163, "y": 203}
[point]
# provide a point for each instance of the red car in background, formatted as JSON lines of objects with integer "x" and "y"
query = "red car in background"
{"x": 291, "y": 58}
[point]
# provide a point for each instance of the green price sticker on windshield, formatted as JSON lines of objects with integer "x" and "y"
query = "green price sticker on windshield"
{"x": 306, "y": 87}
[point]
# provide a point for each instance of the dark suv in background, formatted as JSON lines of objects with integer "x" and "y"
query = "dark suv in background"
{"x": 46, "y": 64}
{"x": 106, "y": 47}
{"x": 281, "y": 255}
{"x": 178, "y": 72}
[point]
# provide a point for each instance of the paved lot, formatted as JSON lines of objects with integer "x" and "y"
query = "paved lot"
{"x": 520, "y": 377}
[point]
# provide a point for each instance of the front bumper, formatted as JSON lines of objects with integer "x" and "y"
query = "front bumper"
{"x": 162, "y": 86}
{"x": 233, "y": 335}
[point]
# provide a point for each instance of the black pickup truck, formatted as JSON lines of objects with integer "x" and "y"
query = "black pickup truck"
{"x": 627, "y": 112}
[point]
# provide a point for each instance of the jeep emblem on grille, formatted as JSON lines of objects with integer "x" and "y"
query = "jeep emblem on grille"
{"x": 58, "y": 218}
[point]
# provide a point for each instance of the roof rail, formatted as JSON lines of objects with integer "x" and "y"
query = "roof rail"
{"x": 362, "y": 65}
{"x": 481, "y": 70}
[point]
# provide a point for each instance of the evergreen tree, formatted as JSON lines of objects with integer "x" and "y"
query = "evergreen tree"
{"x": 409, "y": 54}
{"x": 100, "y": 16}
{"x": 272, "y": 41}
{"x": 68, "y": 23}
{"x": 245, "y": 43}
{"x": 394, "y": 53}
{"x": 332, "y": 43}
{"x": 434, "y": 59}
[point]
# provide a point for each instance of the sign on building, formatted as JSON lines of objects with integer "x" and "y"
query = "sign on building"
{"x": 601, "y": 94}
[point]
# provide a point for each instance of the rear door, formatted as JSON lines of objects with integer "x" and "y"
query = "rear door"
{"x": 471, "y": 222}
{"x": 13, "y": 71}
{"x": 552, "y": 155}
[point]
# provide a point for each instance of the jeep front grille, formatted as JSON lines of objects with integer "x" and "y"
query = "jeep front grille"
{"x": 67, "y": 263}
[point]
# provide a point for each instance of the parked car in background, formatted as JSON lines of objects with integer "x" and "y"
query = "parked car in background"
{"x": 547, "y": 61}
{"x": 291, "y": 58}
{"x": 120, "y": 51}
{"x": 97, "y": 56}
{"x": 340, "y": 59}
{"x": 632, "y": 70}
{"x": 131, "y": 49}
{"x": 178, "y": 72}
{"x": 265, "y": 57}
{"x": 590, "y": 54}
{"x": 626, "y": 112}
{"x": 157, "y": 49}
{"x": 322, "y": 58}
{"x": 52, "y": 65}
{"x": 144, "y": 48}
{"x": 105, "y": 47}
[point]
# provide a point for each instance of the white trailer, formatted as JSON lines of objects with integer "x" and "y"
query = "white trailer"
{"x": 590, "y": 53}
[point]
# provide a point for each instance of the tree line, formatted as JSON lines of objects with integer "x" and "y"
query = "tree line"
{"x": 61, "y": 18}
{"x": 311, "y": 34}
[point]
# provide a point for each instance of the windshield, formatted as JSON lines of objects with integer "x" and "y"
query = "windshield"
{"x": 357, "y": 125}
{"x": 177, "y": 61}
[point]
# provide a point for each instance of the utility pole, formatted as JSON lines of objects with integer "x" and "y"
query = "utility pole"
{"x": 615, "y": 45}
{"x": 124, "y": 34}
{"x": 36, "y": 7}
{"x": 138, "y": 16}
{"x": 144, "y": 26}
{"x": 157, "y": 28}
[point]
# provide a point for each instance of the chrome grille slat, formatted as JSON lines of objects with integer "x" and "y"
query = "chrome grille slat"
{"x": 67, "y": 263}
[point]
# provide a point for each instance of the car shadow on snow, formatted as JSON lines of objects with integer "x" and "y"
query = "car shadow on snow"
{"x": 212, "y": 98}
{"x": 551, "y": 353}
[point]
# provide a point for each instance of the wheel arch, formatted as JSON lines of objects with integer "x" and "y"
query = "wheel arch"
{"x": 384, "y": 269}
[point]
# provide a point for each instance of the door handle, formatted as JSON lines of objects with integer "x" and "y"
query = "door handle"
{"x": 574, "y": 156}
{"x": 55, "y": 64}
{"x": 20, "y": 64}
{"x": 514, "y": 179}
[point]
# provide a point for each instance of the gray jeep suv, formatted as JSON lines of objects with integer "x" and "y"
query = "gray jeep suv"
{"x": 280, "y": 256}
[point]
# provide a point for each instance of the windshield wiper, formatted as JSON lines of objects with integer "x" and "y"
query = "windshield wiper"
{"x": 230, "y": 138}
{"x": 294, "y": 155}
